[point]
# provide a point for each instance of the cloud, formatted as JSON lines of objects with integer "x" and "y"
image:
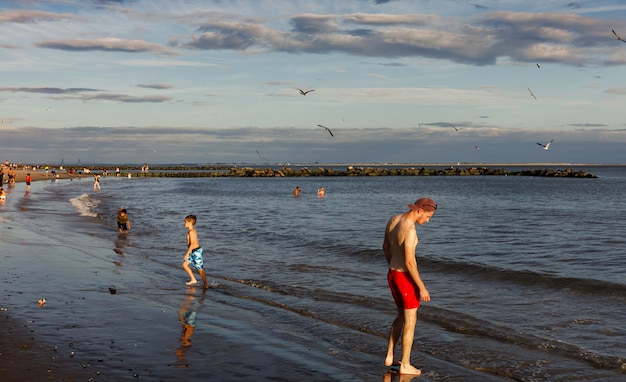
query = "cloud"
{"x": 565, "y": 38}
{"x": 119, "y": 98}
{"x": 108, "y": 44}
{"x": 28, "y": 16}
{"x": 45, "y": 90}
{"x": 350, "y": 145}
{"x": 618, "y": 91}
{"x": 155, "y": 86}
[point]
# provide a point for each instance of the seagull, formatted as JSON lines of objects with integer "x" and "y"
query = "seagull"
{"x": 327, "y": 129}
{"x": 454, "y": 127}
{"x": 531, "y": 93}
{"x": 261, "y": 156}
{"x": 617, "y": 36}
{"x": 48, "y": 108}
{"x": 305, "y": 92}
{"x": 477, "y": 147}
{"x": 547, "y": 145}
{"x": 539, "y": 66}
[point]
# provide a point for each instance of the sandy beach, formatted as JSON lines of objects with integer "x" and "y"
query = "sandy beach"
{"x": 35, "y": 175}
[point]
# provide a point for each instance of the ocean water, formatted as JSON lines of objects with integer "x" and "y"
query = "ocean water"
{"x": 526, "y": 274}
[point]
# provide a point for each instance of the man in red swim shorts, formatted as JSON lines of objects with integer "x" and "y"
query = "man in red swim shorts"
{"x": 404, "y": 279}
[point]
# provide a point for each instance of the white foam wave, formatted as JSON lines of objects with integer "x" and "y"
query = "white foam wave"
{"x": 85, "y": 205}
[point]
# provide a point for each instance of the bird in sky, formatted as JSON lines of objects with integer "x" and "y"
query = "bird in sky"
{"x": 531, "y": 93}
{"x": 617, "y": 36}
{"x": 327, "y": 129}
{"x": 261, "y": 156}
{"x": 477, "y": 147}
{"x": 539, "y": 66}
{"x": 305, "y": 92}
{"x": 547, "y": 145}
{"x": 454, "y": 127}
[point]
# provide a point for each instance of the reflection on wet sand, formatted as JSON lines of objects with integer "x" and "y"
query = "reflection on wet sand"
{"x": 187, "y": 318}
{"x": 394, "y": 376}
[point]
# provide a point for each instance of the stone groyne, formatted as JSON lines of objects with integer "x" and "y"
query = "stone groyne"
{"x": 250, "y": 172}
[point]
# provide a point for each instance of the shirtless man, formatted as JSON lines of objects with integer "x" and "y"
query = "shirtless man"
{"x": 404, "y": 279}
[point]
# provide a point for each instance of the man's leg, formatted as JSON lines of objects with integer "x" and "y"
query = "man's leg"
{"x": 394, "y": 336}
{"x": 410, "y": 318}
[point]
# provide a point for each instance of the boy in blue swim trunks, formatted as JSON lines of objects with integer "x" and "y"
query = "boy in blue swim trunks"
{"x": 193, "y": 257}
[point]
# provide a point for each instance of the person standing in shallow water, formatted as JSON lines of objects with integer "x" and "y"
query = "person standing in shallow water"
{"x": 404, "y": 279}
{"x": 193, "y": 257}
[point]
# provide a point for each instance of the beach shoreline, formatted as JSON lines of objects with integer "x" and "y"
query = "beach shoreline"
{"x": 36, "y": 175}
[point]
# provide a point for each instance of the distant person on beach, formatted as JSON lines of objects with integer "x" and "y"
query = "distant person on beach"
{"x": 296, "y": 192}
{"x": 404, "y": 279}
{"x": 3, "y": 195}
{"x": 11, "y": 175}
{"x": 117, "y": 172}
{"x": 321, "y": 192}
{"x": 123, "y": 223}
{"x": 193, "y": 257}
{"x": 96, "y": 182}
{"x": 28, "y": 181}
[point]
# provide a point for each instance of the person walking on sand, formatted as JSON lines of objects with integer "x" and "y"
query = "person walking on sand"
{"x": 123, "y": 223}
{"x": 407, "y": 287}
{"x": 96, "y": 182}
{"x": 193, "y": 257}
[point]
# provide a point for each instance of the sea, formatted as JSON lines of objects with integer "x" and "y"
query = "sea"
{"x": 526, "y": 274}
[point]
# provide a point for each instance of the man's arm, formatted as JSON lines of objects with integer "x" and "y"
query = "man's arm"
{"x": 386, "y": 248}
{"x": 410, "y": 242}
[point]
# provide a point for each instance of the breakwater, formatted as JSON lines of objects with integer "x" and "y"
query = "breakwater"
{"x": 364, "y": 171}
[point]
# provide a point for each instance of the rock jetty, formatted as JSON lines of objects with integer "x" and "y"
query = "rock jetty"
{"x": 251, "y": 172}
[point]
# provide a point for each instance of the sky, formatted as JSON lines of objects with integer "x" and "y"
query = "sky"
{"x": 394, "y": 81}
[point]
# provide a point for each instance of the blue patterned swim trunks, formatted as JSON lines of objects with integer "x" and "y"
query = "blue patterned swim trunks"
{"x": 195, "y": 259}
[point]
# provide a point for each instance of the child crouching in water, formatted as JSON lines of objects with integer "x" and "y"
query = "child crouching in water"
{"x": 193, "y": 257}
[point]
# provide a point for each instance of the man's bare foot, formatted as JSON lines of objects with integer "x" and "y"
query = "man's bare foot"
{"x": 409, "y": 370}
{"x": 392, "y": 362}
{"x": 192, "y": 282}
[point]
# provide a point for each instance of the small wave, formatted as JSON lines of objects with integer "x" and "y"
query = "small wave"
{"x": 85, "y": 205}
{"x": 525, "y": 277}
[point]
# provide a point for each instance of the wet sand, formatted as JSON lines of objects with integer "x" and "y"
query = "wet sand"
{"x": 84, "y": 332}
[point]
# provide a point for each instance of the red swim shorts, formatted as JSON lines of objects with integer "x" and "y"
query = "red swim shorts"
{"x": 404, "y": 290}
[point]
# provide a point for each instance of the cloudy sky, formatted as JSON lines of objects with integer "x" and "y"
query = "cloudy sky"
{"x": 402, "y": 81}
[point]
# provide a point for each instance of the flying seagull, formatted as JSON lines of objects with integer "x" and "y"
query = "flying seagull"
{"x": 531, "y": 93}
{"x": 305, "y": 92}
{"x": 477, "y": 147}
{"x": 454, "y": 127}
{"x": 261, "y": 156}
{"x": 617, "y": 36}
{"x": 539, "y": 66}
{"x": 547, "y": 145}
{"x": 327, "y": 129}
